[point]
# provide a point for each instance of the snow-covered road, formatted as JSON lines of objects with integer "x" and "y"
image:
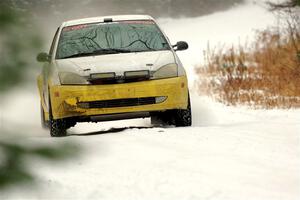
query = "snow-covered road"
{"x": 229, "y": 152}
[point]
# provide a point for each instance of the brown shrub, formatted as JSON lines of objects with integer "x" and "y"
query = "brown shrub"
{"x": 267, "y": 74}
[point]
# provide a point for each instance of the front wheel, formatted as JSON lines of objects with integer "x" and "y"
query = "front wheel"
{"x": 183, "y": 117}
{"x": 178, "y": 117}
{"x": 58, "y": 127}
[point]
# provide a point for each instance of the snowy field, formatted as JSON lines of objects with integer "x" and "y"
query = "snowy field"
{"x": 229, "y": 153}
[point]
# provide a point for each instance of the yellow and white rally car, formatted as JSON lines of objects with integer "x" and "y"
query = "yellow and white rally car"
{"x": 112, "y": 68}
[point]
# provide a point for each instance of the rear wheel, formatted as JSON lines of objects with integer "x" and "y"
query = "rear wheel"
{"x": 163, "y": 118}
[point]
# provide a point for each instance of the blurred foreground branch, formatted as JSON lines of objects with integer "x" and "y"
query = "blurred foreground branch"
{"x": 14, "y": 168}
{"x": 19, "y": 42}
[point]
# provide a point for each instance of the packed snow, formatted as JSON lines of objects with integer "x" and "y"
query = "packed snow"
{"x": 229, "y": 152}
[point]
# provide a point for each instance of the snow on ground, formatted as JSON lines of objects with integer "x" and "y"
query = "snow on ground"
{"x": 229, "y": 152}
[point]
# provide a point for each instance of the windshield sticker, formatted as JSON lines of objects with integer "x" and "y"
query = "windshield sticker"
{"x": 82, "y": 26}
{"x": 76, "y": 27}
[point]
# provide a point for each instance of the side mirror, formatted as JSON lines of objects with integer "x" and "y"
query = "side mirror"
{"x": 180, "y": 46}
{"x": 43, "y": 57}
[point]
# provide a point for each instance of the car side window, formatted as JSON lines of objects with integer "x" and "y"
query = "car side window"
{"x": 53, "y": 42}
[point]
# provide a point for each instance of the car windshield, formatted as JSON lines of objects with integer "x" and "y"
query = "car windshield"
{"x": 110, "y": 38}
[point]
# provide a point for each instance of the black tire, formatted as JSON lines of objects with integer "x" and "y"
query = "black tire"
{"x": 44, "y": 123}
{"x": 157, "y": 120}
{"x": 183, "y": 117}
{"x": 58, "y": 127}
{"x": 162, "y": 118}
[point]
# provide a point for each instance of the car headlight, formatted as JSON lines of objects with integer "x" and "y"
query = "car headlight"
{"x": 69, "y": 78}
{"x": 167, "y": 71}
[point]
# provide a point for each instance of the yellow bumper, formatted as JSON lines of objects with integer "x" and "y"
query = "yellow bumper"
{"x": 64, "y": 98}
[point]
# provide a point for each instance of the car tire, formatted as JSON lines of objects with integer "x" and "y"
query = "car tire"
{"x": 162, "y": 118}
{"x": 158, "y": 120}
{"x": 58, "y": 127}
{"x": 183, "y": 117}
{"x": 44, "y": 123}
{"x": 70, "y": 123}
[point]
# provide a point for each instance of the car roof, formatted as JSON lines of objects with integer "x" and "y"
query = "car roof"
{"x": 101, "y": 19}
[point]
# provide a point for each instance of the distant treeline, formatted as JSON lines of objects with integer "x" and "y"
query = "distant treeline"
{"x": 156, "y": 8}
{"x": 49, "y": 14}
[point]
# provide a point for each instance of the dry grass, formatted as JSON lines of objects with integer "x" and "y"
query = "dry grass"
{"x": 263, "y": 75}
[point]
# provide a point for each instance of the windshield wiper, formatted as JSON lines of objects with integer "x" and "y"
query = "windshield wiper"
{"x": 78, "y": 55}
{"x": 112, "y": 50}
{"x": 99, "y": 52}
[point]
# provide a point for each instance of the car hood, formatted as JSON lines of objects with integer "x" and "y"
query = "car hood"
{"x": 118, "y": 63}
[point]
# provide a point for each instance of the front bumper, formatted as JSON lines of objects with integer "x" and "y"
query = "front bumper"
{"x": 66, "y": 99}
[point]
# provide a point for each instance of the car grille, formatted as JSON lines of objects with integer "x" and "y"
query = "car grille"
{"x": 118, "y": 103}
